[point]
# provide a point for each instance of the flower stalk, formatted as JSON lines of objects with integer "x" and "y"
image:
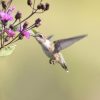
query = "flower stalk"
{"x": 10, "y": 30}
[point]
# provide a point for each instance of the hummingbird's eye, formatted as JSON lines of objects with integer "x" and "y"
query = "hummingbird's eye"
{"x": 41, "y": 36}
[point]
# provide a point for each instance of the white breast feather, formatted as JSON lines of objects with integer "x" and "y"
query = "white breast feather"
{"x": 46, "y": 47}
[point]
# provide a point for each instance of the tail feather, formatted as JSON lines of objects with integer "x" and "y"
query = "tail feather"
{"x": 64, "y": 66}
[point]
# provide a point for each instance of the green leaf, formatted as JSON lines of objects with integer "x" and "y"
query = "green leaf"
{"x": 8, "y": 50}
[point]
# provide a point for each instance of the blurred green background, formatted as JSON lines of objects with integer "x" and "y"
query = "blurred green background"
{"x": 27, "y": 75}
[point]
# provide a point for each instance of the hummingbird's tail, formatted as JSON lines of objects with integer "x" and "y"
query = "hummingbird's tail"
{"x": 64, "y": 66}
{"x": 62, "y": 62}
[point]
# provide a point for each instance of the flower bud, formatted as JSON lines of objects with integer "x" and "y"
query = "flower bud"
{"x": 40, "y": 6}
{"x": 47, "y": 6}
{"x": 18, "y": 15}
{"x": 11, "y": 27}
{"x": 29, "y": 2}
{"x": 4, "y": 5}
{"x": 37, "y": 21}
{"x": 25, "y": 25}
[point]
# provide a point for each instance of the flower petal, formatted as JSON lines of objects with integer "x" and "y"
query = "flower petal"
{"x": 26, "y": 34}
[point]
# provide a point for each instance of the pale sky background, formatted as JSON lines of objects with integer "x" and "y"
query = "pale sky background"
{"x": 27, "y": 75}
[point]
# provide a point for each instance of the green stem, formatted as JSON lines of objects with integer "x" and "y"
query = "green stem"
{"x": 10, "y": 41}
{"x": 2, "y": 37}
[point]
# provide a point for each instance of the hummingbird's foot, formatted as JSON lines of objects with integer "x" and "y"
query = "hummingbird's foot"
{"x": 52, "y": 61}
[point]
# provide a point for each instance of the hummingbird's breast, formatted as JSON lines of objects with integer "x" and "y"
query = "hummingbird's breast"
{"x": 48, "y": 48}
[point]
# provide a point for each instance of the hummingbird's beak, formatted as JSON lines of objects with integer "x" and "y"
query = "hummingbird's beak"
{"x": 36, "y": 35}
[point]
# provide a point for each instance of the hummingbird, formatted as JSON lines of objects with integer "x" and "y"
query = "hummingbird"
{"x": 53, "y": 49}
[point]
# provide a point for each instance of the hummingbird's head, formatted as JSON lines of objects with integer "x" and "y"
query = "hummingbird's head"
{"x": 40, "y": 38}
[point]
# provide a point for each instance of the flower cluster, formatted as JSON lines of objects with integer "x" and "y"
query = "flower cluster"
{"x": 13, "y": 27}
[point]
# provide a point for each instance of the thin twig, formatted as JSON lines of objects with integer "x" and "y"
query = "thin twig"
{"x": 3, "y": 36}
{"x": 34, "y": 4}
{"x": 40, "y": 12}
{"x": 32, "y": 26}
{"x": 26, "y": 18}
{"x": 11, "y": 41}
{"x": 14, "y": 22}
{"x": 9, "y": 3}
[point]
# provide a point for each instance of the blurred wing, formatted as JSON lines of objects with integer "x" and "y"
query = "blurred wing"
{"x": 50, "y": 37}
{"x": 64, "y": 43}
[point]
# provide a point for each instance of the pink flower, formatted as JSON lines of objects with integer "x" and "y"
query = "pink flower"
{"x": 4, "y": 16}
{"x": 26, "y": 34}
{"x": 10, "y": 32}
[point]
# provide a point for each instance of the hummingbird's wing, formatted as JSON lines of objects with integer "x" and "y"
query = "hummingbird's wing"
{"x": 50, "y": 37}
{"x": 64, "y": 43}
